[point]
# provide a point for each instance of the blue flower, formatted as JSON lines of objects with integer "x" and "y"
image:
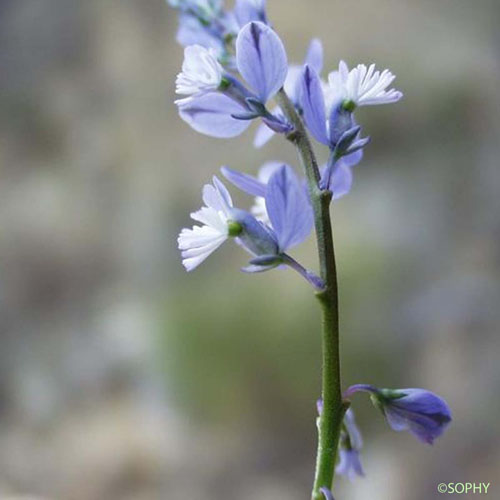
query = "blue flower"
{"x": 418, "y": 411}
{"x": 290, "y": 224}
{"x": 203, "y": 22}
{"x": 329, "y": 123}
{"x": 228, "y": 107}
{"x": 351, "y": 443}
{"x": 328, "y": 107}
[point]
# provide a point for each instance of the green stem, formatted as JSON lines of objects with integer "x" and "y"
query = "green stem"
{"x": 330, "y": 420}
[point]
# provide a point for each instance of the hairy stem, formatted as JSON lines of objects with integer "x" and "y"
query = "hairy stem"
{"x": 331, "y": 417}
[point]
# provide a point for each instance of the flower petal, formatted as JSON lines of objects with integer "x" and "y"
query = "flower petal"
{"x": 313, "y": 104}
{"x": 211, "y": 114}
{"x": 341, "y": 180}
{"x": 288, "y": 208}
{"x": 268, "y": 169}
{"x": 198, "y": 243}
{"x": 314, "y": 57}
{"x": 245, "y": 182}
{"x": 349, "y": 465}
{"x": 261, "y": 59}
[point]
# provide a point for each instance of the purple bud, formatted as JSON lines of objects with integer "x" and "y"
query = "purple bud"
{"x": 418, "y": 411}
{"x": 421, "y": 412}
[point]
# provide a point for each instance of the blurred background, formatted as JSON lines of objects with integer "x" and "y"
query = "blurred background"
{"x": 124, "y": 378}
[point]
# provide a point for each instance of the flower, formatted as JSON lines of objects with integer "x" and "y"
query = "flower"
{"x": 198, "y": 243}
{"x": 362, "y": 86}
{"x": 206, "y": 23}
{"x": 421, "y": 412}
{"x": 351, "y": 443}
{"x": 261, "y": 61}
{"x": 220, "y": 221}
{"x": 201, "y": 71}
{"x": 418, "y": 411}
{"x": 290, "y": 223}
{"x": 329, "y": 124}
{"x": 328, "y": 107}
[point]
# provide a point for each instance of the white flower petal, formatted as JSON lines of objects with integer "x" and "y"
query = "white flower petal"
{"x": 201, "y": 71}
{"x": 198, "y": 243}
{"x": 210, "y": 217}
{"x": 217, "y": 197}
{"x": 259, "y": 210}
{"x": 362, "y": 85}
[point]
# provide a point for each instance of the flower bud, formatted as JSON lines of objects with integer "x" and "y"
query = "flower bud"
{"x": 418, "y": 411}
{"x": 421, "y": 412}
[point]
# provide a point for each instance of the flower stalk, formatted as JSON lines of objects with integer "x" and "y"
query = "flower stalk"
{"x": 330, "y": 420}
{"x": 235, "y": 64}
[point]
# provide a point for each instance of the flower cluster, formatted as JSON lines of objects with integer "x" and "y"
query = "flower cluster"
{"x": 234, "y": 65}
{"x": 208, "y": 24}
